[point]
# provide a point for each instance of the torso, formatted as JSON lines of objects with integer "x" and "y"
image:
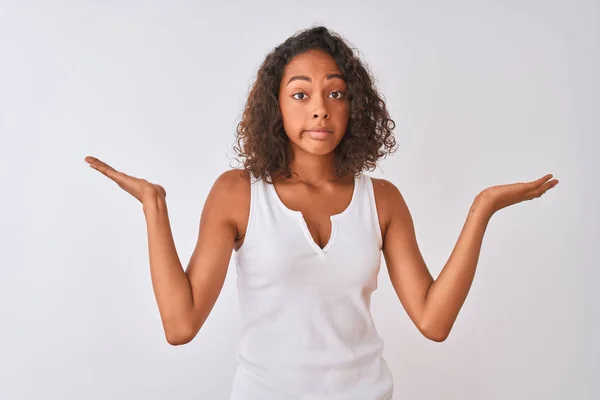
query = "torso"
{"x": 316, "y": 205}
{"x": 304, "y": 298}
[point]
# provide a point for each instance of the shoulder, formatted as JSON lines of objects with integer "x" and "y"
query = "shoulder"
{"x": 232, "y": 187}
{"x": 233, "y": 178}
{"x": 385, "y": 191}
{"x": 388, "y": 198}
{"x": 231, "y": 192}
{"x": 383, "y": 185}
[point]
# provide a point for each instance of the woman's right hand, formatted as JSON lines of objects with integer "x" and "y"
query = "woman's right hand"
{"x": 141, "y": 189}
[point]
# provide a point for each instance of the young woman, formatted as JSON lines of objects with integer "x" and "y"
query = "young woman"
{"x": 308, "y": 229}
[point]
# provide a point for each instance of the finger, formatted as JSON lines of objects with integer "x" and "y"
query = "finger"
{"x": 539, "y": 182}
{"x": 104, "y": 168}
{"x": 552, "y": 183}
{"x": 107, "y": 170}
{"x": 545, "y": 187}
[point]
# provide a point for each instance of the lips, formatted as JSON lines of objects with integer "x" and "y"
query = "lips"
{"x": 318, "y": 134}
{"x": 320, "y": 129}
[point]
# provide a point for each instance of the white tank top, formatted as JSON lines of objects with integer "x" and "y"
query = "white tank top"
{"x": 307, "y": 330}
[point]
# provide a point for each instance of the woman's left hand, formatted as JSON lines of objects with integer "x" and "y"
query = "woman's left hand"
{"x": 502, "y": 196}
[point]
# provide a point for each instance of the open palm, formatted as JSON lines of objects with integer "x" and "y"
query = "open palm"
{"x": 141, "y": 189}
{"x": 502, "y": 196}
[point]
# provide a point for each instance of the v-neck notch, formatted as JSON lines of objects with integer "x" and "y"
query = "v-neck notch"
{"x": 332, "y": 218}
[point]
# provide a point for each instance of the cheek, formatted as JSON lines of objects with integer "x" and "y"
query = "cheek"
{"x": 342, "y": 113}
{"x": 340, "y": 107}
{"x": 292, "y": 116}
{"x": 288, "y": 122}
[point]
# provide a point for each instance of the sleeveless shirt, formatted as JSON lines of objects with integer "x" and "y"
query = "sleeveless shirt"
{"x": 307, "y": 330}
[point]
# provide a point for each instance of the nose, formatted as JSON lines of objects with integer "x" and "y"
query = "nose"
{"x": 320, "y": 110}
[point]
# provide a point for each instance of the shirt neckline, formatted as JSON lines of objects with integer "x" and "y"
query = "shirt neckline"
{"x": 333, "y": 218}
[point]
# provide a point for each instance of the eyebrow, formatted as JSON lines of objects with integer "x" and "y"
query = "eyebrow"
{"x": 306, "y": 78}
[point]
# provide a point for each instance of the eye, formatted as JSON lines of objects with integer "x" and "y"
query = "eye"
{"x": 295, "y": 94}
{"x": 340, "y": 95}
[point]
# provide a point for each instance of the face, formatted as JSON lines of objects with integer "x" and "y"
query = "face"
{"x": 312, "y": 95}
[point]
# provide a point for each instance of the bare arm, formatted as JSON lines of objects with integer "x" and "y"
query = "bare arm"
{"x": 218, "y": 232}
{"x": 170, "y": 283}
{"x": 433, "y": 305}
{"x": 448, "y": 292}
{"x": 185, "y": 299}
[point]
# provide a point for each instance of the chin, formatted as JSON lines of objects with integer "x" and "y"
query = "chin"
{"x": 318, "y": 147}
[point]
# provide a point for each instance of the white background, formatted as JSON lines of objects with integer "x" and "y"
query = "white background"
{"x": 483, "y": 93}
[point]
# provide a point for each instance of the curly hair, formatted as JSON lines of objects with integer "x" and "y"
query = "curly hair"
{"x": 261, "y": 139}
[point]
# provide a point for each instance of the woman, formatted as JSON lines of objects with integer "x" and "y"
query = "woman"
{"x": 308, "y": 228}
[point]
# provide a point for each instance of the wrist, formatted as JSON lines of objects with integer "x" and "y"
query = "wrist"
{"x": 152, "y": 204}
{"x": 483, "y": 205}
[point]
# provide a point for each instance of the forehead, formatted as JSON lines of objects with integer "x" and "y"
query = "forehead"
{"x": 311, "y": 62}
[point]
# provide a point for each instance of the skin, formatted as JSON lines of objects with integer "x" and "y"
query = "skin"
{"x": 186, "y": 298}
{"x": 313, "y": 93}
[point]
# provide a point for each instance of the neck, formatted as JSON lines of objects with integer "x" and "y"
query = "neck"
{"x": 313, "y": 169}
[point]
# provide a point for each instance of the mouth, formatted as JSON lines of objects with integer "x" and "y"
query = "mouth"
{"x": 319, "y": 134}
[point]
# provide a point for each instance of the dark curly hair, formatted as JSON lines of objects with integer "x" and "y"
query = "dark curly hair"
{"x": 261, "y": 139}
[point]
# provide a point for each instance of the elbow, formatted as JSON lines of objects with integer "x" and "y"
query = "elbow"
{"x": 434, "y": 334}
{"x": 178, "y": 340}
{"x": 182, "y": 331}
{"x": 437, "y": 337}
{"x": 178, "y": 337}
